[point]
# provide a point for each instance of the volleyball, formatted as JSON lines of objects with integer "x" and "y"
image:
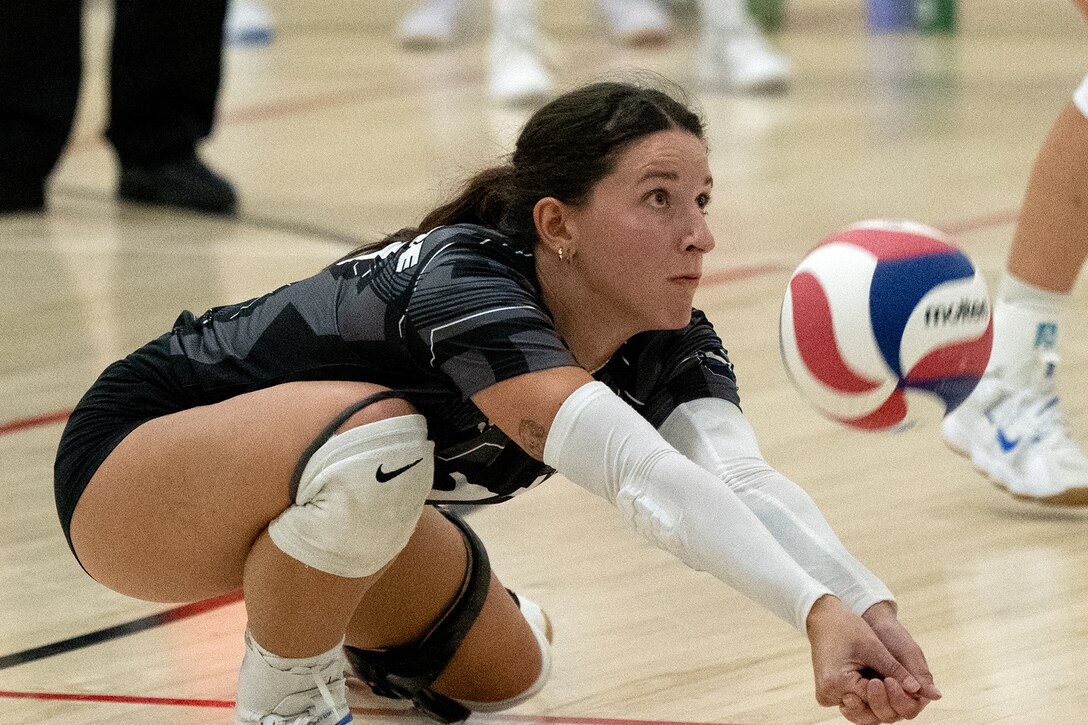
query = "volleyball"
{"x": 886, "y": 324}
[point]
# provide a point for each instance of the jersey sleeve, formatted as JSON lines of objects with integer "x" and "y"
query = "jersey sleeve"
{"x": 479, "y": 320}
{"x": 693, "y": 365}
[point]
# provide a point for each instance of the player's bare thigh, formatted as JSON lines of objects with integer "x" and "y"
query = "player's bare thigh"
{"x": 173, "y": 511}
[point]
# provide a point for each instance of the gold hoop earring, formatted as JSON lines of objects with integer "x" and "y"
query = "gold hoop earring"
{"x": 567, "y": 257}
{"x": 560, "y": 254}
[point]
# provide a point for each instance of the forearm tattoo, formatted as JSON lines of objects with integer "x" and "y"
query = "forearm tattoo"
{"x": 533, "y": 437}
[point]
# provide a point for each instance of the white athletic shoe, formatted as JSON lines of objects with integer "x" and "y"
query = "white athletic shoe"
{"x": 316, "y": 696}
{"x": 433, "y": 23}
{"x": 249, "y": 23}
{"x": 636, "y": 22}
{"x": 1015, "y": 435}
{"x": 517, "y": 74}
{"x": 739, "y": 59}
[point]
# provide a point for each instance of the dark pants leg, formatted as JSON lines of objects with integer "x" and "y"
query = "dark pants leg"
{"x": 40, "y": 67}
{"x": 164, "y": 78}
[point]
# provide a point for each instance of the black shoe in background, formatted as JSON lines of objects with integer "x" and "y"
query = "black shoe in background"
{"x": 186, "y": 183}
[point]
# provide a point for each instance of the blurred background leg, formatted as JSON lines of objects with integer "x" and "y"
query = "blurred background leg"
{"x": 40, "y": 66}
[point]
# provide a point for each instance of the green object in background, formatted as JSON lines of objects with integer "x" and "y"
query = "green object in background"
{"x": 935, "y": 16}
{"x": 768, "y": 14}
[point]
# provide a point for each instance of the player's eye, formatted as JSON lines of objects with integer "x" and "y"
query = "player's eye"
{"x": 659, "y": 198}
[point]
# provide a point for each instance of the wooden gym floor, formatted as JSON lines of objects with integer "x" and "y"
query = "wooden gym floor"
{"x": 334, "y": 134}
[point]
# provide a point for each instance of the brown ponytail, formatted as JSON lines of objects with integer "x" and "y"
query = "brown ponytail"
{"x": 483, "y": 199}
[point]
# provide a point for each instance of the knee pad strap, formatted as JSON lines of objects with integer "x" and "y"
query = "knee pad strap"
{"x": 330, "y": 430}
{"x": 407, "y": 672}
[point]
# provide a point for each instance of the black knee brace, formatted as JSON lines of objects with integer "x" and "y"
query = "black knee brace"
{"x": 406, "y": 672}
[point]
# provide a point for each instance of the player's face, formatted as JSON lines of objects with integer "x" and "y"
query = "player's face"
{"x": 642, "y": 232}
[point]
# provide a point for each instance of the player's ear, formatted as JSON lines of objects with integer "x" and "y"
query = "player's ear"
{"x": 553, "y": 224}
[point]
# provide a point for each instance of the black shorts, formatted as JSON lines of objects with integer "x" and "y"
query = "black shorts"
{"x": 129, "y": 392}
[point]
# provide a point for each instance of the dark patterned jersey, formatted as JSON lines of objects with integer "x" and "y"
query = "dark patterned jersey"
{"x": 439, "y": 319}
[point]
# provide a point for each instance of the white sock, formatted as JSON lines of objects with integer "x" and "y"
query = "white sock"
{"x": 288, "y": 664}
{"x": 268, "y": 683}
{"x": 1026, "y": 321}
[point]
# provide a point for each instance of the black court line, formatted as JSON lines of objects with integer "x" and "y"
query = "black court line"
{"x": 121, "y": 630}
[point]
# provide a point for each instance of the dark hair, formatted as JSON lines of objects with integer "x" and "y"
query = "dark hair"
{"x": 564, "y": 149}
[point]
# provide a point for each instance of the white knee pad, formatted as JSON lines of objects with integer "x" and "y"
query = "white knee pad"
{"x": 359, "y": 498}
{"x": 1080, "y": 97}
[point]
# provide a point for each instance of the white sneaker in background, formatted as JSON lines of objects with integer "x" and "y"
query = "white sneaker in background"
{"x": 433, "y": 23}
{"x": 739, "y": 59}
{"x": 1012, "y": 430}
{"x": 516, "y": 70}
{"x": 636, "y": 22}
{"x": 248, "y": 23}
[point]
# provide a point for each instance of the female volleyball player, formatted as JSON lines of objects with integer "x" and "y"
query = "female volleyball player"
{"x": 539, "y": 322}
{"x": 1011, "y": 426}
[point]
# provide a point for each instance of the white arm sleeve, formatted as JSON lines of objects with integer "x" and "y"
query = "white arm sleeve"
{"x": 603, "y": 445}
{"x": 717, "y": 436}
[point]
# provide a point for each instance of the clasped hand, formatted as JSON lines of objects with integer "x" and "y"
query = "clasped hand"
{"x": 869, "y": 666}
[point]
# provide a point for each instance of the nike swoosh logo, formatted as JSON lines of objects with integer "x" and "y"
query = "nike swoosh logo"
{"x": 382, "y": 476}
{"x": 1005, "y": 443}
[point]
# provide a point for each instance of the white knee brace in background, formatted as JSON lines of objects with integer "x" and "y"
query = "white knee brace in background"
{"x": 359, "y": 498}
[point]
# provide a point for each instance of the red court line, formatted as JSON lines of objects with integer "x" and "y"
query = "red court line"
{"x": 127, "y": 699}
{"x": 24, "y": 423}
{"x": 978, "y": 223}
{"x": 735, "y": 274}
{"x": 452, "y": 80}
{"x": 281, "y": 108}
{"x": 205, "y": 605}
{"x": 365, "y": 711}
{"x": 953, "y": 228}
